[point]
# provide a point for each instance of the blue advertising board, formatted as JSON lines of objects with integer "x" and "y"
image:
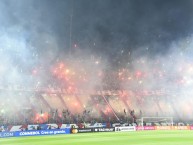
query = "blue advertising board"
{"x": 6, "y": 134}
{"x": 35, "y": 133}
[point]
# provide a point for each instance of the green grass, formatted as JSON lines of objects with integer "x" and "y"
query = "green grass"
{"x": 123, "y": 138}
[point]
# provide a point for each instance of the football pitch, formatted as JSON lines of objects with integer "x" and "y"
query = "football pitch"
{"x": 120, "y": 138}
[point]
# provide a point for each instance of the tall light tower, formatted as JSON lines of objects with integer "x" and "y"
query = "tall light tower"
{"x": 71, "y": 19}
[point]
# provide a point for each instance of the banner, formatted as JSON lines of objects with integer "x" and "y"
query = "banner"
{"x": 163, "y": 127}
{"x": 81, "y": 130}
{"x": 172, "y": 127}
{"x": 111, "y": 129}
{"x": 145, "y": 128}
{"x": 6, "y": 134}
{"x": 126, "y": 128}
{"x": 181, "y": 127}
{"x": 35, "y": 133}
{"x": 191, "y": 127}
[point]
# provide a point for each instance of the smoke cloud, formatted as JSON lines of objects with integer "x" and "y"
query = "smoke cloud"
{"x": 100, "y": 45}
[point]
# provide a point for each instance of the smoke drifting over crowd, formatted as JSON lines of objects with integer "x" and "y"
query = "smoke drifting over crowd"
{"x": 133, "y": 45}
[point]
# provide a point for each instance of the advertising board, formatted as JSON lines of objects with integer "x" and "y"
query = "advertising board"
{"x": 126, "y": 128}
{"x": 112, "y": 129}
{"x": 81, "y": 130}
{"x": 35, "y": 133}
{"x": 145, "y": 128}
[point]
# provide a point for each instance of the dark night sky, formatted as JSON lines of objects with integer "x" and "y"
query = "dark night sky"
{"x": 114, "y": 25}
{"x": 102, "y": 27}
{"x": 130, "y": 24}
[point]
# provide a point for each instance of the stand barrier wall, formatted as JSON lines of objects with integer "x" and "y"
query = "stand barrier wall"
{"x": 90, "y": 130}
